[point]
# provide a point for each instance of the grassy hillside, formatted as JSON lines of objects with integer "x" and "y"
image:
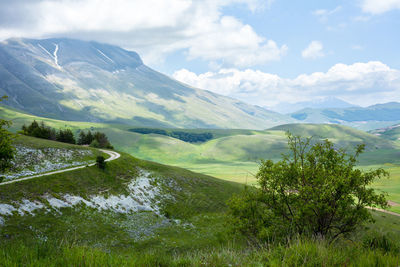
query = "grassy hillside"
{"x": 231, "y": 154}
{"x": 180, "y": 207}
{"x": 341, "y": 135}
{"x": 183, "y": 225}
{"x": 392, "y": 132}
{"x": 36, "y": 156}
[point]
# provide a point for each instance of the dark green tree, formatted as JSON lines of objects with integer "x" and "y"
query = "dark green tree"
{"x": 315, "y": 190}
{"x": 66, "y": 136}
{"x": 6, "y": 148}
{"x": 102, "y": 139}
{"x": 95, "y": 144}
{"x": 100, "y": 162}
{"x": 82, "y": 138}
{"x": 89, "y": 138}
{"x": 33, "y": 127}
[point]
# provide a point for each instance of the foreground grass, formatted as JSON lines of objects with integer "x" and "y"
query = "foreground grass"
{"x": 299, "y": 252}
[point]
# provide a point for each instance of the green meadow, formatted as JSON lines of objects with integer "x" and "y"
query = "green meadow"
{"x": 234, "y": 154}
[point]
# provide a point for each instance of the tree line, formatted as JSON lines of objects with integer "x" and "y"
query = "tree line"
{"x": 40, "y": 130}
{"x": 181, "y": 135}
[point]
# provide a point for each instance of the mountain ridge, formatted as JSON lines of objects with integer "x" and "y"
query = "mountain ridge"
{"x": 88, "y": 81}
{"x": 366, "y": 118}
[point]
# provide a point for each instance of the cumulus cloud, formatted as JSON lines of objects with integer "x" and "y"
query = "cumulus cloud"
{"x": 379, "y": 6}
{"x": 154, "y": 28}
{"x": 313, "y": 50}
{"x": 360, "y": 83}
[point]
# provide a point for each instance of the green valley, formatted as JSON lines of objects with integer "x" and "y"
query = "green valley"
{"x": 234, "y": 155}
{"x": 107, "y": 162}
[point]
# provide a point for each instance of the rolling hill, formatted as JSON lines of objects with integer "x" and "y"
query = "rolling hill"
{"x": 230, "y": 154}
{"x": 391, "y": 132}
{"x": 88, "y": 81}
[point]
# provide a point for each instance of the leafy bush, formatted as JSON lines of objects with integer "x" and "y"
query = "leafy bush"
{"x": 98, "y": 139}
{"x": 315, "y": 191}
{"x": 100, "y": 162}
{"x": 6, "y": 149}
{"x": 95, "y": 144}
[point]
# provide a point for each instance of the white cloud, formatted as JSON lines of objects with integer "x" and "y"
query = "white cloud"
{"x": 313, "y": 50}
{"x": 379, "y": 6}
{"x": 323, "y": 14}
{"x": 154, "y": 28}
{"x": 357, "y": 47}
{"x": 360, "y": 83}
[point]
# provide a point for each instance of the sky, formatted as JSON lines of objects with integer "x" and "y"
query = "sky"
{"x": 268, "y": 53}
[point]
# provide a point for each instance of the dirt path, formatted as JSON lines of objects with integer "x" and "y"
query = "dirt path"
{"x": 113, "y": 155}
{"x": 391, "y": 204}
{"x": 385, "y": 211}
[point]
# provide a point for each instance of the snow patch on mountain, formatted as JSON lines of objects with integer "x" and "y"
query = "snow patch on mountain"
{"x": 104, "y": 55}
{"x": 56, "y": 56}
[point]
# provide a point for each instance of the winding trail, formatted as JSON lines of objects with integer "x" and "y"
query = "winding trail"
{"x": 113, "y": 155}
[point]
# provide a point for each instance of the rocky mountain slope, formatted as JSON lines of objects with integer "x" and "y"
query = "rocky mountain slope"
{"x": 89, "y": 81}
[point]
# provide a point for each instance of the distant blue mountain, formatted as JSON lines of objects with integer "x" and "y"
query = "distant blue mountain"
{"x": 367, "y": 118}
{"x": 327, "y": 102}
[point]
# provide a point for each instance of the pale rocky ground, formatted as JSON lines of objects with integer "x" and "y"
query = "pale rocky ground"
{"x": 31, "y": 161}
{"x": 144, "y": 195}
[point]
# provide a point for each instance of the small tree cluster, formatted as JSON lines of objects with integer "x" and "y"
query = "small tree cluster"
{"x": 315, "y": 190}
{"x": 40, "y": 130}
{"x": 85, "y": 138}
{"x": 65, "y": 136}
{"x": 181, "y": 135}
{"x": 97, "y": 139}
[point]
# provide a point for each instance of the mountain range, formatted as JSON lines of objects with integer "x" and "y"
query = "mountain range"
{"x": 88, "y": 81}
{"x": 366, "y": 118}
{"x": 325, "y": 102}
{"x": 77, "y": 80}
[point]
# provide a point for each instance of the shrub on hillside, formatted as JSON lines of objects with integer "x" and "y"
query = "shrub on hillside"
{"x": 315, "y": 190}
{"x": 98, "y": 139}
{"x": 100, "y": 162}
{"x": 6, "y": 148}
